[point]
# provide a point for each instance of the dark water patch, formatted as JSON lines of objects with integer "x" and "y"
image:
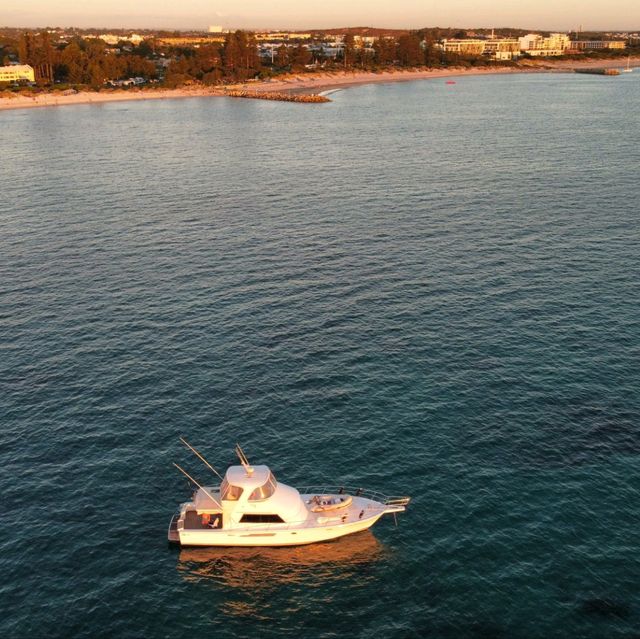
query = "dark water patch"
{"x": 606, "y": 608}
{"x": 488, "y": 630}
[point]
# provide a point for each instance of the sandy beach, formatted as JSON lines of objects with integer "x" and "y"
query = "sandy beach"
{"x": 299, "y": 83}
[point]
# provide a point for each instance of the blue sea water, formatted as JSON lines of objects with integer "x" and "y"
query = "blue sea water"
{"x": 422, "y": 288}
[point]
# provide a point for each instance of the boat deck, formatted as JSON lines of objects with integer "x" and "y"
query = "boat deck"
{"x": 358, "y": 509}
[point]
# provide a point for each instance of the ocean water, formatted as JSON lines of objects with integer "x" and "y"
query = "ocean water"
{"x": 422, "y": 288}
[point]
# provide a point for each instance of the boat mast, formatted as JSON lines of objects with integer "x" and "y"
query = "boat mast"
{"x": 193, "y": 450}
{"x": 202, "y": 488}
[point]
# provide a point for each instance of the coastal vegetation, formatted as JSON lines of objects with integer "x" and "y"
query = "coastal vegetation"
{"x": 84, "y": 61}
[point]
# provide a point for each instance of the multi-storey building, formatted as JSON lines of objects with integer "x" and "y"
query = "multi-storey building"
{"x": 496, "y": 48}
{"x": 17, "y": 73}
{"x": 463, "y": 47}
{"x": 535, "y": 44}
{"x": 598, "y": 44}
{"x": 502, "y": 48}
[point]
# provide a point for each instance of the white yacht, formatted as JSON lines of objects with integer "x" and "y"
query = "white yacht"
{"x": 251, "y": 508}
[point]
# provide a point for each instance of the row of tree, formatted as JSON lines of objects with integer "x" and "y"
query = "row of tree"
{"x": 81, "y": 61}
{"x": 90, "y": 61}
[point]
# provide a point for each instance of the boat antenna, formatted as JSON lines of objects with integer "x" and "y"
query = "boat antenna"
{"x": 193, "y": 450}
{"x": 243, "y": 460}
{"x": 204, "y": 490}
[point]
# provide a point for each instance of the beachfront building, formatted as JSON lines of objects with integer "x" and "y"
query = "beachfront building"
{"x": 502, "y": 48}
{"x": 580, "y": 45}
{"x": 463, "y": 47}
{"x": 495, "y": 48}
{"x": 536, "y": 45}
{"x": 17, "y": 73}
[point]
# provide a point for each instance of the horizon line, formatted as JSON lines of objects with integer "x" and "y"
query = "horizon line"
{"x": 312, "y": 30}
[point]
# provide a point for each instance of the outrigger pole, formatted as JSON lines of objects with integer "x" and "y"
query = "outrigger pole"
{"x": 190, "y": 478}
{"x": 243, "y": 460}
{"x": 193, "y": 450}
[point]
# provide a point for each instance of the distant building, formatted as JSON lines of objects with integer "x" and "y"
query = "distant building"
{"x": 532, "y": 44}
{"x": 536, "y": 45}
{"x": 364, "y": 41}
{"x": 215, "y": 28}
{"x": 281, "y": 36}
{"x": 598, "y": 44}
{"x": 112, "y": 38}
{"x": 17, "y": 73}
{"x": 502, "y": 48}
{"x": 463, "y": 47}
{"x": 495, "y": 48}
{"x": 191, "y": 41}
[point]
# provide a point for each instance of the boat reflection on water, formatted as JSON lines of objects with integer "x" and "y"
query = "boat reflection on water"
{"x": 266, "y": 568}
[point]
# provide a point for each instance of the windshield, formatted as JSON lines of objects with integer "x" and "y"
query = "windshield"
{"x": 229, "y": 492}
{"x": 265, "y": 491}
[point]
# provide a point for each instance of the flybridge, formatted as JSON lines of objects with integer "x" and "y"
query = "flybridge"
{"x": 251, "y": 508}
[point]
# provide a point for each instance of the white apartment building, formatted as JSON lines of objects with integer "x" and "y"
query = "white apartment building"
{"x": 538, "y": 45}
{"x": 496, "y": 48}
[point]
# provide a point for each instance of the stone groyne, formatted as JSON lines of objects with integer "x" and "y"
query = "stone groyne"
{"x": 278, "y": 96}
{"x": 598, "y": 71}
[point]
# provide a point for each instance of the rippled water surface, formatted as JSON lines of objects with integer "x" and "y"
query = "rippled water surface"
{"x": 421, "y": 288}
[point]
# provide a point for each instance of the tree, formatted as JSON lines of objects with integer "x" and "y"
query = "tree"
{"x": 230, "y": 55}
{"x": 74, "y": 63}
{"x": 132, "y": 66}
{"x": 365, "y": 56}
{"x": 410, "y": 52}
{"x": 431, "y": 54}
{"x": 96, "y": 75}
{"x": 301, "y": 56}
{"x": 240, "y": 56}
{"x": 282, "y": 56}
{"x": 36, "y": 51}
{"x": 26, "y": 48}
{"x": 384, "y": 51}
{"x": 348, "y": 50}
{"x": 145, "y": 49}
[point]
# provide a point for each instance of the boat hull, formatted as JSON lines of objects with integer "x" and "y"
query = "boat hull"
{"x": 274, "y": 535}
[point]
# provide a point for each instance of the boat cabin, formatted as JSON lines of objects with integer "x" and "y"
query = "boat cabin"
{"x": 247, "y": 495}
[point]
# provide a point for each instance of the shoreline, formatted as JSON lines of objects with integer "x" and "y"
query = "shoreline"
{"x": 303, "y": 84}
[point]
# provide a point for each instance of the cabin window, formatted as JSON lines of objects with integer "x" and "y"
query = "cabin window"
{"x": 261, "y": 519}
{"x": 229, "y": 492}
{"x": 265, "y": 491}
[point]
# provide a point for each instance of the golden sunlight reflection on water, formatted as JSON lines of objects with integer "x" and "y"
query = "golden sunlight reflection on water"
{"x": 253, "y": 573}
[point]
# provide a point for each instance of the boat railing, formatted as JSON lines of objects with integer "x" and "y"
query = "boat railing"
{"x": 374, "y": 495}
